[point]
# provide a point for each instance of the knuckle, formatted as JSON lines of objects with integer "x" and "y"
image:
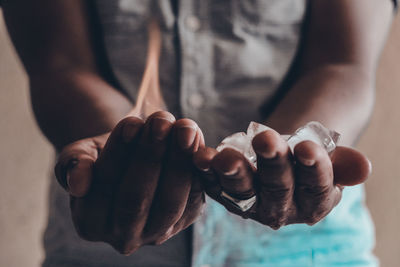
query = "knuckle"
{"x": 275, "y": 214}
{"x": 275, "y": 219}
{"x": 318, "y": 192}
{"x": 164, "y": 237}
{"x": 160, "y": 240}
{"x": 125, "y": 246}
{"x": 313, "y": 219}
{"x": 276, "y": 224}
{"x": 311, "y": 222}
{"x": 316, "y": 213}
{"x": 321, "y": 211}
{"x": 124, "y": 240}
{"x": 280, "y": 193}
{"x": 315, "y": 202}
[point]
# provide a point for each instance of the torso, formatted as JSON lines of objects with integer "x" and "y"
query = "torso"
{"x": 220, "y": 61}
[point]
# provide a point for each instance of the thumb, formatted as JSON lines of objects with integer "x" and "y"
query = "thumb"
{"x": 350, "y": 167}
{"x": 74, "y": 169}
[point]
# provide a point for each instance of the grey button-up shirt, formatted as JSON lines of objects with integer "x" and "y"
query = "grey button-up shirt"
{"x": 220, "y": 61}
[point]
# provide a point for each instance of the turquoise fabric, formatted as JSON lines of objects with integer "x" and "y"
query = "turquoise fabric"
{"x": 344, "y": 238}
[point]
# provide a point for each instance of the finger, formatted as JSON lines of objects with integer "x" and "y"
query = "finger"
{"x": 203, "y": 157}
{"x": 136, "y": 190}
{"x": 316, "y": 194}
{"x": 114, "y": 157}
{"x": 91, "y": 213}
{"x": 235, "y": 177}
{"x": 202, "y": 160}
{"x": 350, "y": 167}
{"x": 193, "y": 210}
{"x": 175, "y": 182}
{"x": 275, "y": 179}
{"x": 74, "y": 167}
{"x": 235, "y": 173}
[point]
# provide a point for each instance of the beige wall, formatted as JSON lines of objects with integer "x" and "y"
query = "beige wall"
{"x": 24, "y": 165}
{"x": 25, "y": 161}
{"x": 382, "y": 145}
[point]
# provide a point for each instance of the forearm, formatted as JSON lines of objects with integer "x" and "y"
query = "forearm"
{"x": 73, "y": 105}
{"x": 339, "y": 96}
{"x": 62, "y": 56}
{"x": 336, "y": 67}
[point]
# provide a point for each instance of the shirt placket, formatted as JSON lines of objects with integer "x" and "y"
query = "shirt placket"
{"x": 194, "y": 63}
{"x": 194, "y": 81}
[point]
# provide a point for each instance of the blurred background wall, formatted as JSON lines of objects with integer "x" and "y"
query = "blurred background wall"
{"x": 26, "y": 158}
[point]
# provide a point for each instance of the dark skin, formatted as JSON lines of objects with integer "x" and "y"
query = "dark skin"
{"x": 335, "y": 85}
{"x": 144, "y": 187}
{"x": 129, "y": 200}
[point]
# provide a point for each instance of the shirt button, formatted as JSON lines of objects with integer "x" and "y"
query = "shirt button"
{"x": 196, "y": 101}
{"x": 193, "y": 23}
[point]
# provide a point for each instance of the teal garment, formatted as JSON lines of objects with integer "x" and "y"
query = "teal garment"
{"x": 344, "y": 238}
{"x": 221, "y": 61}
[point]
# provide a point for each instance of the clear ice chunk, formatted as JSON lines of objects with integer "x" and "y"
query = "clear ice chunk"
{"x": 313, "y": 131}
{"x": 242, "y": 141}
{"x": 316, "y": 132}
{"x": 238, "y": 141}
{"x": 256, "y": 128}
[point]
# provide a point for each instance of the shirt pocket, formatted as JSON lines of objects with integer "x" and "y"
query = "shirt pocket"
{"x": 267, "y": 16}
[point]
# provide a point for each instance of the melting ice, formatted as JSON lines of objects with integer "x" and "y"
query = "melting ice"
{"x": 313, "y": 131}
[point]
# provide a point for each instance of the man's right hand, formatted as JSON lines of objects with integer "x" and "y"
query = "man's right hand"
{"x": 135, "y": 185}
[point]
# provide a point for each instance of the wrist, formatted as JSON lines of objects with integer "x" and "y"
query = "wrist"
{"x": 74, "y": 106}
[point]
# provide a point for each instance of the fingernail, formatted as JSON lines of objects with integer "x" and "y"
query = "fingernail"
{"x": 268, "y": 154}
{"x": 203, "y": 169}
{"x": 231, "y": 172}
{"x": 265, "y": 151}
{"x": 186, "y": 135}
{"x": 129, "y": 131}
{"x": 159, "y": 128}
{"x": 306, "y": 162}
{"x": 202, "y": 165}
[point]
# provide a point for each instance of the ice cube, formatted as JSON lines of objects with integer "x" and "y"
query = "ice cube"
{"x": 238, "y": 141}
{"x": 316, "y": 132}
{"x": 256, "y": 128}
{"x": 313, "y": 131}
{"x": 242, "y": 141}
